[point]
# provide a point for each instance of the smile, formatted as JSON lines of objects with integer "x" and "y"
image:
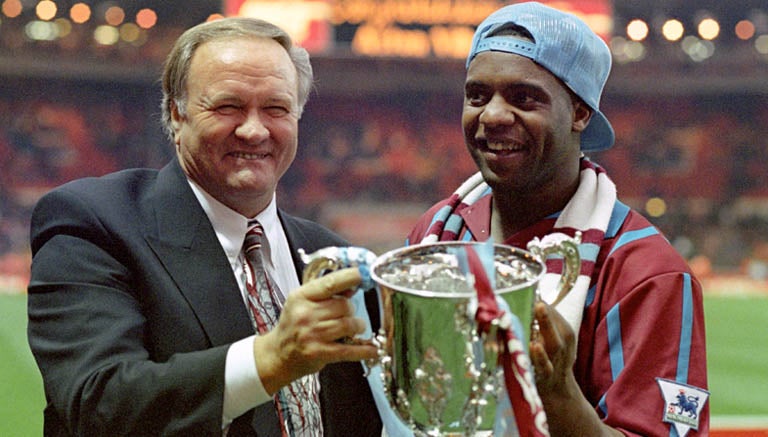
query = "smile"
{"x": 250, "y": 155}
{"x": 502, "y": 148}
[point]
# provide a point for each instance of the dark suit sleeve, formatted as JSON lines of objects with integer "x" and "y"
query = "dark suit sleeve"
{"x": 87, "y": 330}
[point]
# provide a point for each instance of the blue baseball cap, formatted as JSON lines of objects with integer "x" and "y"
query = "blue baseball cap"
{"x": 564, "y": 45}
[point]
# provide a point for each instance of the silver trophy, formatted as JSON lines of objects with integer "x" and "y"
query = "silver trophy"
{"x": 440, "y": 375}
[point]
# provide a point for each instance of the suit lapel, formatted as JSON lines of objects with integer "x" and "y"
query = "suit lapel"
{"x": 305, "y": 235}
{"x": 296, "y": 239}
{"x": 186, "y": 244}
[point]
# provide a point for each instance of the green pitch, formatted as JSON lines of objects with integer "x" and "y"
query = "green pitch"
{"x": 21, "y": 393}
{"x": 737, "y": 342}
{"x": 737, "y": 354}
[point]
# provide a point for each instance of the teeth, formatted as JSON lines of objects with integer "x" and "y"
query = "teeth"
{"x": 251, "y": 155}
{"x": 503, "y": 147}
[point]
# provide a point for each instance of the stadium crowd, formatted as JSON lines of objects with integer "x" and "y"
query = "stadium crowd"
{"x": 702, "y": 156}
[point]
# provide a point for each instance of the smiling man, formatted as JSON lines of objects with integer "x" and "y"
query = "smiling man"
{"x": 615, "y": 355}
{"x": 169, "y": 302}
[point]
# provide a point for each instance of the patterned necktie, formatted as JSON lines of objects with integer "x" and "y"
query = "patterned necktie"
{"x": 298, "y": 404}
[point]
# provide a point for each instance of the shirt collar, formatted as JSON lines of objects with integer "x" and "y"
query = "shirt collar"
{"x": 230, "y": 226}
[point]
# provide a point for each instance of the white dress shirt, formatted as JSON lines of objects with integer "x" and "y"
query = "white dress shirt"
{"x": 243, "y": 388}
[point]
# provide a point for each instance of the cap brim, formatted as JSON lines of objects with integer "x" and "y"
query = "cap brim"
{"x": 598, "y": 135}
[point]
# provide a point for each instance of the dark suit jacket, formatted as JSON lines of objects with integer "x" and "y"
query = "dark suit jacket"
{"x": 133, "y": 305}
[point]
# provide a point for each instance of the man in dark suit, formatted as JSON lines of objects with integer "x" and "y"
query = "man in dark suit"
{"x": 138, "y": 303}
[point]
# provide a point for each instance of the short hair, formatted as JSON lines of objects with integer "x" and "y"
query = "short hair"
{"x": 176, "y": 67}
{"x": 512, "y": 29}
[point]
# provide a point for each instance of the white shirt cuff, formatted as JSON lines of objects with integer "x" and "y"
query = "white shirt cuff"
{"x": 243, "y": 389}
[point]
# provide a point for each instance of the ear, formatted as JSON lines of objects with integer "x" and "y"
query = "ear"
{"x": 581, "y": 115}
{"x": 176, "y": 120}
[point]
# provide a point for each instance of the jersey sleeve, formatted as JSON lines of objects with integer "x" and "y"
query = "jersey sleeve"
{"x": 644, "y": 323}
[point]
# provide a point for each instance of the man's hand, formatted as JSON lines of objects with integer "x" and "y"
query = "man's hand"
{"x": 553, "y": 352}
{"x": 314, "y": 317}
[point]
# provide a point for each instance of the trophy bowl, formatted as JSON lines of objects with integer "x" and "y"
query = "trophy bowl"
{"x": 440, "y": 376}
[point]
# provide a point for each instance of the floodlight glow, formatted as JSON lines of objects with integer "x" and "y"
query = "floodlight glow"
{"x": 672, "y": 30}
{"x": 80, "y": 13}
{"x": 146, "y": 18}
{"x": 106, "y": 35}
{"x": 744, "y": 29}
{"x": 12, "y": 8}
{"x": 709, "y": 29}
{"x": 637, "y": 30}
{"x": 114, "y": 15}
{"x": 46, "y": 10}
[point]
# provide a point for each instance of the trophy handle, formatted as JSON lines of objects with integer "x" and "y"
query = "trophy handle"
{"x": 332, "y": 258}
{"x": 319, "y": 263}
{"x": 568, "y": 248}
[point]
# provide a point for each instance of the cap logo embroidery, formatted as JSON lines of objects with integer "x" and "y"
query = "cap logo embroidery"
{"x": 682, "y": 404}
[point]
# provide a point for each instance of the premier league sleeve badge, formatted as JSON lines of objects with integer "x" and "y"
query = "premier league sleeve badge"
{"x": 682, "y": 404}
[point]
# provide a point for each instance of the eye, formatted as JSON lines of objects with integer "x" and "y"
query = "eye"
{"x": 278, "y": 110}
{"x": 475, "y": 96}
{"x": 521, "y": 98}
{"x": 527, "y": 98}
{"x": 227, "y": 108}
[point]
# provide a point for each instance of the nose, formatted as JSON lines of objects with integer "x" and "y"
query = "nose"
{"x": 252, "y": 129}
{"x": 497, "y": 112}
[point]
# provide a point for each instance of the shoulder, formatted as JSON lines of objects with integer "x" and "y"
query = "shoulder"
{"x": 637, "y": 251}
{"x": 112, "y": 186}
{"x": 89, "y": 203}
{"x": 630, "y": 232}
{"x": 424, "y": 222}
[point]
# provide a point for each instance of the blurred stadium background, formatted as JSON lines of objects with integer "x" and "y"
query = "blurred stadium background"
{"x": 381, "y": 140}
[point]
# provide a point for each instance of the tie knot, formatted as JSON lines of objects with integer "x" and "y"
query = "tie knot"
{"x": 253, "y": 237}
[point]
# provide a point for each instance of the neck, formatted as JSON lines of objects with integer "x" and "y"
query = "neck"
{"x": 248, "y": 206}
{"x": 513, "y": 212}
